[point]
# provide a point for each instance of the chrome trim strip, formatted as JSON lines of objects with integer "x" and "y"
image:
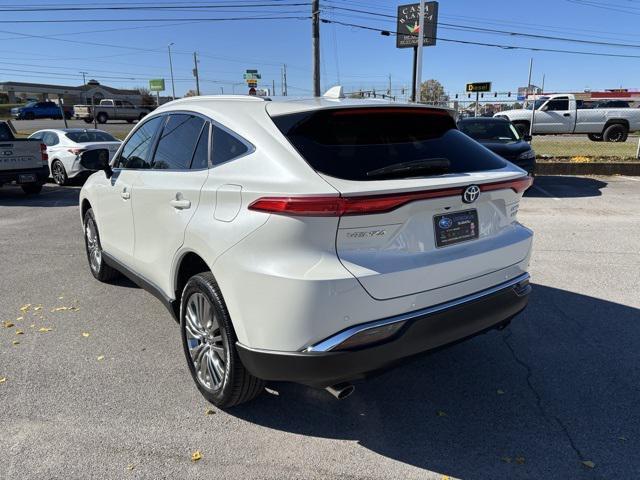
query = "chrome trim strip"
{"x": 331, "y": 342}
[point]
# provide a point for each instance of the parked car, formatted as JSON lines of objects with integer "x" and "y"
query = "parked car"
{"x": 311, "y": 241}
{"x": 501, "y": 137}
{"x": 65, "y": 145}
{"x": 559, "y": 114}
{"x": 33, "y": 110}
{"x": 22, "y": 161}
{"x": 111, "y": 110}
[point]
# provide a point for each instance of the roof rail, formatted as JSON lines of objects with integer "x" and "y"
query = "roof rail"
{"x": 245, "y": 98}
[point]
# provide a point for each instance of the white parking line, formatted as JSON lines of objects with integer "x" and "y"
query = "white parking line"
{"x": 542, "y": 190}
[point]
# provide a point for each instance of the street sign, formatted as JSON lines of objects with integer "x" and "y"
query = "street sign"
{"x": 252, "y": 83}
{"x": 251, "y": 71}
{"x": 478, "y": 87}
{"x": 252, "y": 76}
{"x": 156, "y": 85}
{"x": 252, "y": 91}
{"x": 408, "y": 25}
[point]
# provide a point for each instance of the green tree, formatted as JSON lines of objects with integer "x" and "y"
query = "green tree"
{"x": 432, "y": 91}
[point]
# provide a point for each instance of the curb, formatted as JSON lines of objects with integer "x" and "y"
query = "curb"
{"x": 566, "y": 168}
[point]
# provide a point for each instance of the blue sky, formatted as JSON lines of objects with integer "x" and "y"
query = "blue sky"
{"x": 133, "y": 52}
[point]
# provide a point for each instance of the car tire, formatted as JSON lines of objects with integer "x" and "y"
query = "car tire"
{"x": 29, "y": 116}
{"x": 59, "y": 173}
{"x": 522, "y": 128}
{"x": 129, "y": 120}
{"x": 88, "y": 120}
{"x": 31, "y": 188}
{"x": 615, "y": 133}
{"x": 141, "y": 116}
{"x": 100, "y": 270}
{"x": 595, "y": 137}
{"x": 208, "y": 340}
{"x": 102, "y": 117}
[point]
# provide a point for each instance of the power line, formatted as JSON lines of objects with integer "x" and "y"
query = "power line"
{"x": 226, "y": 19}
{"x": 454, "y": 26}
{"x": 468, "y": 42}
{"x": 146, "y": 7}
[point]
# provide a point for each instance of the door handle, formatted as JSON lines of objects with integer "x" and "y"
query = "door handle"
{"x": 567, "y": 115}
{"x": 125, "y": 195}
{"x": 180, "y": 204}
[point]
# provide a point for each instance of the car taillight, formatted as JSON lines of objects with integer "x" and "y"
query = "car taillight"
{"x": 76, "y": 151}
{"x": 43, "y": 152}
{"x": 367, "y": 205}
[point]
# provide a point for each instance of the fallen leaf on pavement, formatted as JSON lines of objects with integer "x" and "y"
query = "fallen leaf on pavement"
{"x": 15, "y": 342}
{"x": 19, "y": 332}
{"x": 100, "y": 358}
{"x": 210, "y": 411}
{"x": 33, "y": 325}
{"x": 60, "y": 297}
{"x": 85, "y": 334}
{"x": 130, "y": 467}
{"x": 588, "y": 463}
{"x": 520, "y": 460}
{"x": 440, "y": 413}
{"x": 38, "y": 308}
{"x": 25, "y": 308}
{"x": 8, "y": 324}
{"x": 44, "y": 329}
{"x": 19, "y": 319}
{"x": 195, "y": 456}
{"x": 3, "y": 379}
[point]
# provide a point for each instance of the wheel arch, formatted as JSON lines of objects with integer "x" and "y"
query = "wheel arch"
{"x": 187, "y": 264}
{"x": 84, "y": 206}
{"x": 616, "y": 121}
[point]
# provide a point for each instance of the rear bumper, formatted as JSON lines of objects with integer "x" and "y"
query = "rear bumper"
{"x": 422, "y": 331}
{"x": 8, "y": 176}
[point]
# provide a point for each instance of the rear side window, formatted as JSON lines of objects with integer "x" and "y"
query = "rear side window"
{"x": 5, "y": 132}
{"x": 136, "y": 152}
{"x": 177, "y": 142}
{"x": 368, "y": 143}
{"x": 226, "y": 146}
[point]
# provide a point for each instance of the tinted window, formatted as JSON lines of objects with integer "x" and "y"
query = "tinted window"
{"x": 50, "y": 139}
{"x": 90, "y": 136}
{"x": 349, "y": 143}
{"x": 5, "y": 132}
{"x": 177, "y": 142}
{"x": 489, "y": 130}
{"x": 201, "y": 155}
{"x": 36, "y": 136}
{"x": 558, "y": 104}
{"x": 136, "y": 152}
{"x": 226, "y": 146}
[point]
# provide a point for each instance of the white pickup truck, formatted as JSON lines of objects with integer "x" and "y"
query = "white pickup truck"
{"x": 562, "y": 114}
{"x": 109, "y": 109}
{"x": 22, "y": 161}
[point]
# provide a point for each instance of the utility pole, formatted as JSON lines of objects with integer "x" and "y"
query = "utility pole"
{"x": 195, "y": 73}
{"x": 315, "y": 41}
{"x": 284, "y": 84}
{"x": 389, "y": 91}
{"x": 84, "y": 85}
{"x": 533, "y": 108}
{"x": 173, "y": 85}
{"x": 273, "y": 87}
{"x": 418, "y": 78}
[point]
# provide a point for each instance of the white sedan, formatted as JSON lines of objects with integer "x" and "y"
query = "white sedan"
{"x": 65, "y": 145}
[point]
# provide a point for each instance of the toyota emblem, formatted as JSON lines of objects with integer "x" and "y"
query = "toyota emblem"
{"x": 471, "y": 194}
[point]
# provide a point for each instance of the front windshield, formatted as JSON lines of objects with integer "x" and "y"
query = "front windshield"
{"x": 538, "y": 103}
{"x": 30, "y": 104}
{"x": 490, "y": 130}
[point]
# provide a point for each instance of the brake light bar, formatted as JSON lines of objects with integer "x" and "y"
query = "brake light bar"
{"x": 325, "y": 206}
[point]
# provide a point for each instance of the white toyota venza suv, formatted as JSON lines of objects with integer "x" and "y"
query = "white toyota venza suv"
{"x": 312, "y": 241}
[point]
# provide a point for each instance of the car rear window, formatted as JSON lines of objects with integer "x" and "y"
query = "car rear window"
{"x": 90, "y": 136}
{"x": 350, "y": 143}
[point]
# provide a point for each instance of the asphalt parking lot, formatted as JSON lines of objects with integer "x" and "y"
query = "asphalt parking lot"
{"x": 106, "y": 392}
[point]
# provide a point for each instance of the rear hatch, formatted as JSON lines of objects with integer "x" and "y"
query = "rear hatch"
{"x": 81, "y": 110}
{"x": 20, "y": 154}
{"x": 111, "y": 146}
{"x": 406, "y": 225}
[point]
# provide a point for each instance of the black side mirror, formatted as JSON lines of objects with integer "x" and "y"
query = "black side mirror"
{"x": 97, "y": 159}
{"x": 527, "y": 138}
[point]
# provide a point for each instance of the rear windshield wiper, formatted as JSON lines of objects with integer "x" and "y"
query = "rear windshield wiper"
{"x": 430, "y": 165}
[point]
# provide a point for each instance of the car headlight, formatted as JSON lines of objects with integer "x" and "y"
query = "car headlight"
{"x": 528, "y": 155}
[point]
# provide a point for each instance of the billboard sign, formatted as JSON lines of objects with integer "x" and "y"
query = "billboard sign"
{"x": 156, "y": 85}
{"x": 478, "y": 87}
{"x": 408, "y": 25}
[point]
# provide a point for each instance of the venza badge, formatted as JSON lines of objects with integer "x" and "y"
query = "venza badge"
{"x": 471, "y": 194}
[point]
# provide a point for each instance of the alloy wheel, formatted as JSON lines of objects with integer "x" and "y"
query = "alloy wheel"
{"x": 93, "y": 246}
{"x": 204, "y": 340}
{"x": 58, "y": 173}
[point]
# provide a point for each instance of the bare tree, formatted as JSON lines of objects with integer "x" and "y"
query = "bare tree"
{"x": 432, "y": 91}
{"x": 146, "y": 98}
{"x": 191, "y": 93}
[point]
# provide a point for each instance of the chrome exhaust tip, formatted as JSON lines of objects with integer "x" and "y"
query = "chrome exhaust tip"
{"x": 341, "y": 390}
